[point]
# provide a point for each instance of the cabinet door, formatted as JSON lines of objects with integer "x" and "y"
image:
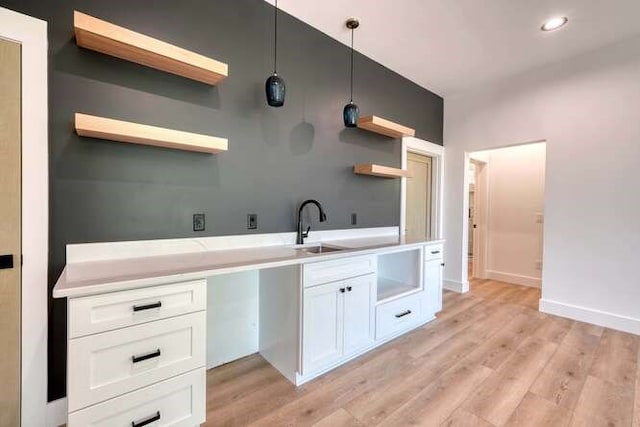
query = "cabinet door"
{"x": 433, "y": 286}
{"x": 323, "y": 326}
{"x": 359, "y": 306}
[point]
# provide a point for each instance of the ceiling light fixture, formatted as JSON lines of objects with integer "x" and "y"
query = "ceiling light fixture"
{"x": 274, "y": 86}
{"x": 351, "y": 111}
{"x": 554, "y": 23}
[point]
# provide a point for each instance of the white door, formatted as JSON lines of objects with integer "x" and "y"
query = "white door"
{"x": 323, "y": 326}
{"x": 418, "y": 213}
{"x": 10, "y": 235}
{"x": 433, "y": 285}
{"x": 359, "y": 313}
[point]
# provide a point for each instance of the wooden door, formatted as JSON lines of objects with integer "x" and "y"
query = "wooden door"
{"x": 359, "y": 313}
{"x": 418, "y": 204}
{"x": 323, "y": 326}
{"x": 10, "y": 200}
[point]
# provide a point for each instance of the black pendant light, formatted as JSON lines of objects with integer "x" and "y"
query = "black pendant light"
{"x": 351, "y": 111}
{"x": 274, "y": 86}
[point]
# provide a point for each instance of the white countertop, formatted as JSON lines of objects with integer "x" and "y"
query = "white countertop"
{"x": 96, "y": 277}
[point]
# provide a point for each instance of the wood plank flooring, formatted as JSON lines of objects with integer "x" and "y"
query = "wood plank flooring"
{"x": 490, "y": 359}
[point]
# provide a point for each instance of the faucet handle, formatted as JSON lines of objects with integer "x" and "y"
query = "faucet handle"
{"x": 306, "y": 233}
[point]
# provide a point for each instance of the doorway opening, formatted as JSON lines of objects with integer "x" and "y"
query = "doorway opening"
{"x": 418, "y": 214}
{"x": 505, "y": 209}
{"x": 421, "y": 194}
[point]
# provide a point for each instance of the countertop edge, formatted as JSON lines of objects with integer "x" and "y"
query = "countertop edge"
{"x": 60, "y": 289}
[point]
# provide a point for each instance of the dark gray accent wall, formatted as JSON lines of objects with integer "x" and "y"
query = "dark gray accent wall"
{"x": 106, "y": 191}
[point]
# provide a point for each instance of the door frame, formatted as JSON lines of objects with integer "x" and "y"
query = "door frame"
{"x": 436, "y": 152}
{"x": 31, "y": 33}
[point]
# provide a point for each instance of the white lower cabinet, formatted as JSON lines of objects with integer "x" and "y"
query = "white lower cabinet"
{"x": 337, "y": 321}
{"x": 112, "y": 363}
{"x": 433, "y": 285}
{"x": 177, "y": 402}
{"x": 323, "y": 323}
{"x": 137, "y": 358}
{"x": 359, "y": 302}
{"x": 398, "y": 315}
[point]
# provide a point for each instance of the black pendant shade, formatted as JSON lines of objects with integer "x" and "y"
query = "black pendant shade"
{"x": 351, "y": 111}
{"x": 274, "y": 86}
{"x": 350, "y": 115}
{"x": 275, "y": 90}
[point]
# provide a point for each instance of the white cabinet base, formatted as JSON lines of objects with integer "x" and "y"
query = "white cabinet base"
{"x": 176, "y": 402}
{"x": 301, "y": 379}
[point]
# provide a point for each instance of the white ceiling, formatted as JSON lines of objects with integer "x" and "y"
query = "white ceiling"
{"x": 449, "y": 46}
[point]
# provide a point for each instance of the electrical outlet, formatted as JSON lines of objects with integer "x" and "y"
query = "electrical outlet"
{"x": 539, "y": 264}
{"x": 252, "y": 221}
{"x": 198, "y": 222}
{"x": 354, "y": 218}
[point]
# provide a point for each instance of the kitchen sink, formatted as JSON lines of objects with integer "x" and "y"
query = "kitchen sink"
{"x": 320, "y": 249}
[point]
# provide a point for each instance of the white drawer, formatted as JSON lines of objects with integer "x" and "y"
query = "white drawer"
{"x": 398, "y": 315}
{"x": 99, "y": 313}
{"x": 316, "y": 273}
{"x": 433, "y": 252}
{"x": 179, "y": 401}
{"x": 106, "y": 365}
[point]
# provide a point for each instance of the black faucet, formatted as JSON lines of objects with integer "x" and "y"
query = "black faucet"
{"x": 323, "y": 218}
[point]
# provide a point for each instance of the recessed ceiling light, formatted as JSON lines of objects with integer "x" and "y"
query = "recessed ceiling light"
{"x": 554, "y": 23}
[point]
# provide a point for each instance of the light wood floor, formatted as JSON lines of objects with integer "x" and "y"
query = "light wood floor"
{"x": 490, "y": 359}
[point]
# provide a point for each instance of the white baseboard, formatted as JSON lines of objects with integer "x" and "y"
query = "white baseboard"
{"x": 589, "y": 315}
{"x": 533, "y": 282}
{"x": 57, "y": 412}
{"x": 452, "y": 285}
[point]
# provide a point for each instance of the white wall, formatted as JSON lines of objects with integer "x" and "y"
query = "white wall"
{"x": 515, "y": 202}
{"x": 588, "y": 110}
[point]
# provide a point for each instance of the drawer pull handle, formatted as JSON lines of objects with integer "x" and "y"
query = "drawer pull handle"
{"x": 435, "y": 252}
{"x": 149, "y": 420}
{"x": 342, "y": 290}
{"x": 349, "y": 288}
{"x": 147, "y": 306}
{"x": 403, "y": 314}
{"x": 136, "y": 359}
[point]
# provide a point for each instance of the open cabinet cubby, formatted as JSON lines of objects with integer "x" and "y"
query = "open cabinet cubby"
{"x": 399, "y": 273}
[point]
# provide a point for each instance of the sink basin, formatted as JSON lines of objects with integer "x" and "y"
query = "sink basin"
{"x": 320, "y": 249}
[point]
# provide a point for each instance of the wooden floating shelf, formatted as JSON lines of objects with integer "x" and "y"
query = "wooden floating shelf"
{"x": 384, "y": 127}
{"x": 117, "y": 130}
{"x": 381, "y": 171}
{"x": 105, "y": 37}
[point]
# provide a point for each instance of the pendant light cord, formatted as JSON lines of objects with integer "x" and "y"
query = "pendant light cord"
{"x": 275, "y": 39}
{"x": 351, "y": 100}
